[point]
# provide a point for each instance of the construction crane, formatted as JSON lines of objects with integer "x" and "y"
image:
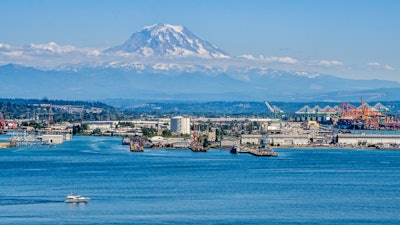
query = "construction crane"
{"x": 274, "y": 109}
{"x": 269, "y": 107}
{"x": 3, "y": 118}
{"x": 50, "y": 121}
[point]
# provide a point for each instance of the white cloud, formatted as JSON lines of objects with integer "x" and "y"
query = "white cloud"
{"x": 49, "y": 55}
{"x": 51, "y": 47}
{"x": 8, "y": 51}
{"x": 387, "y": 67}
{"x": 380, "y": 66}
{"x": 270, "y": 59}
{"x": 4, "y": 47}
{"x": 13, "y": 53}
{"x": 288, "y": 60}
{"x": 248, "y": 56}
{"x": 376, "y": 64}
{"x": 93, "y": 52}
{"x": 330, "y": 63}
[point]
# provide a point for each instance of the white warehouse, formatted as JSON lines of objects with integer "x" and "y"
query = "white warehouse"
{"x": 180, "y": 125}
{"x": 365, "y": 139}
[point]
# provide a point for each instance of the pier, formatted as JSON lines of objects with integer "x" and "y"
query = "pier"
{"x": 5, "y": 145}
{"x": 259, "y": 151}
{"x": 32, "y": 139}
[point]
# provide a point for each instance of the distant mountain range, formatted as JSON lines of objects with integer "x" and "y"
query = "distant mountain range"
{"x": 105, "y": 83}
{"x": 181, "y": 66}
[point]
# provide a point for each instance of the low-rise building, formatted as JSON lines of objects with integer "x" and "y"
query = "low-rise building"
{"x": 212, "y": 136}
{"x": 288, "y": 140}
{"x": 102, "y": 125}
{"x": 158, "y": 141}
{"x": 228, "y": 141}
{"x": 367, "y": 139}
{"x": 253, "y": 139}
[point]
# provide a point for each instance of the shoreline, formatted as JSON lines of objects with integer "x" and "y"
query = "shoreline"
{"x": 5, "y": 145}
{"x": 334, "y": 147}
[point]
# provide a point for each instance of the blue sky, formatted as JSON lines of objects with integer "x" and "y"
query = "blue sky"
{"x": 348, "y": 38}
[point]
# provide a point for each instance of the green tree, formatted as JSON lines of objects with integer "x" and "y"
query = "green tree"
{"x": 149, "y": 132}
{"x": 35, "y": 124}
{"x": 206, "y": 143}
{"x": 185, "y": 135}
{"x": 85, "y": 126}
{"x": 97, "y": 131}
{"x": 166, "y": 133}
{"x": 76, "y": 129}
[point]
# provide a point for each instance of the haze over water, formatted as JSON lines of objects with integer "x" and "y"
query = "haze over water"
{"x": 181, "y": 187}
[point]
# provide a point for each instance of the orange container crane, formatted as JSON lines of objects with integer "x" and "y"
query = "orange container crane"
{"x": 365, "y": 114}
{"x": 3, "y": 118}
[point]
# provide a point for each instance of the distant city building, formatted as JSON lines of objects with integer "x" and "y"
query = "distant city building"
{"x": 212, "y": 135}
{"x": 180, "y": 125}
{"x": 103, "y": 125}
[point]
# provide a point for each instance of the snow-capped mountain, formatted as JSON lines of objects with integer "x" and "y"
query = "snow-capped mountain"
{"x": 168, "y": 40}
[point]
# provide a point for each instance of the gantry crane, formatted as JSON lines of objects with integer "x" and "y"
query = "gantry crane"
{"x": 363, "y": 114}
{"x": 274, "y": 109}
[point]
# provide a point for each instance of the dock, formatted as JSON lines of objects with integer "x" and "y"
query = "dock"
{"x": 260, "y": 151}
{"x": 5, "y": 144}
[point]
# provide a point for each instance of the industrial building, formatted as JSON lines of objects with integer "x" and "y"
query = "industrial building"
{"x": 161, "y": 142}
{"x": 368, "y": 140}
{"x": 289, "y": 140}
{"x": 103, "y": 125}
{"x": 252, "y": 139}
{"x": 180, "y": 125}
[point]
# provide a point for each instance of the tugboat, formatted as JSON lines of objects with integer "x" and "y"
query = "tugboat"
{"x": 136, "y": 144}
{"x": 195, "y": 146}
{"x": 235, "y": 149}
{"x": 126, "y": 140}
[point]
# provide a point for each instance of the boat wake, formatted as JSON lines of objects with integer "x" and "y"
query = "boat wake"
{"x": 25, "y": 201}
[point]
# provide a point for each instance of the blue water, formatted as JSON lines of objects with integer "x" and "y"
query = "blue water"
{"x": 182, "y": 187}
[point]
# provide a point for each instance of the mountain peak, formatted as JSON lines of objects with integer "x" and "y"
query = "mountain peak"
{"x": 168, "y": 40}
{"x": 163, "y": 27}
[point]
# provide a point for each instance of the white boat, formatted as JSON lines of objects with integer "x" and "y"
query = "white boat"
{"x": 72, "y": 198}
